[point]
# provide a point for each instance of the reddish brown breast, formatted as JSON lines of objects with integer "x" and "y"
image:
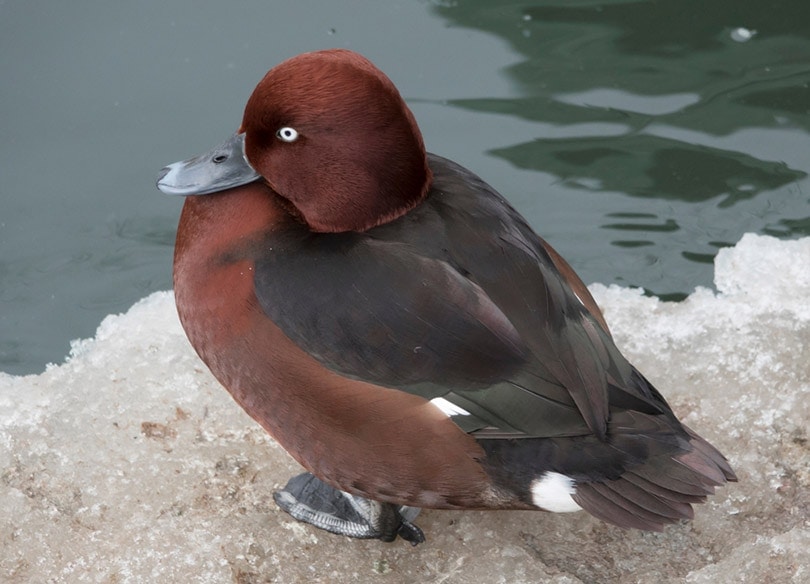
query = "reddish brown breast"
{"x": 377, "y": 442}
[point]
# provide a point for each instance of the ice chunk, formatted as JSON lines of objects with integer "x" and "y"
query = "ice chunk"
{"x": 129, "y": 463}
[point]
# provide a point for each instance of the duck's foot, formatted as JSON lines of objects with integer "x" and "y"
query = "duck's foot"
{"x": 312, "y": 501}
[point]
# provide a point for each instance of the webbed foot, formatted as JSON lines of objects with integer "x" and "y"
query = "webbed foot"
{"x": 312, "y": 501}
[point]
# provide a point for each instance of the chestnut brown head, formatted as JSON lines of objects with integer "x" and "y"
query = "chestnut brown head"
{"x": 331, "y": 134}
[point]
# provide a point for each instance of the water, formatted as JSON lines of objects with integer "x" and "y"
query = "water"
{"x": 639, "y": 138}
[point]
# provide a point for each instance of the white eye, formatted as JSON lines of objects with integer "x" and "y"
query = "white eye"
{"x": 287, "y": 134}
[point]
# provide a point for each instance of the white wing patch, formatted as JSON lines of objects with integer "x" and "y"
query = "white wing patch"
{"x": 553, "y": 491}
{"x": 448, "y": 408}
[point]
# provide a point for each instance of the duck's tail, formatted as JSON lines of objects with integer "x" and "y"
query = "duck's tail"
{"x": 659, "y": 491}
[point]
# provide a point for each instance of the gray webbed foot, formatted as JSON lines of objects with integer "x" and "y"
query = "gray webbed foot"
{"x": 312, "y": 501}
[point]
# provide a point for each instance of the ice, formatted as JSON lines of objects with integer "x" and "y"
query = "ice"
{"x": 129, "y": 463}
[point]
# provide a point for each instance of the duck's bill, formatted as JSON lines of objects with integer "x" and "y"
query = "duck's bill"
{"x": 224, "y": 167}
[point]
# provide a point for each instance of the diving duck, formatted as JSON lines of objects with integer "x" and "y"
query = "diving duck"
{"x": 402, "y": 331}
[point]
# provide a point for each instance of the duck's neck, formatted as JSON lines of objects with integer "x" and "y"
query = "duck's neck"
{"x": 213, "y": 260}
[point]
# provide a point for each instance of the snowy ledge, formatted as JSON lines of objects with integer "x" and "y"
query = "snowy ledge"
{"x": 129, "y": 463}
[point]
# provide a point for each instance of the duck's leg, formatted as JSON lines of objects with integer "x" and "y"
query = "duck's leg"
{"x": 312, "y": 501}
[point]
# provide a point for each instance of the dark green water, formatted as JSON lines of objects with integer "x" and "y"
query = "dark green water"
{"x": 637, "y": 137}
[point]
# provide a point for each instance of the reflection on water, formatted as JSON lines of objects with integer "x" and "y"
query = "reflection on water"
{"x": 651, "y": 166}
{"x": 686, "y": 83}
{"x": 638, "y": 136}
{"x": 789, "y": 227}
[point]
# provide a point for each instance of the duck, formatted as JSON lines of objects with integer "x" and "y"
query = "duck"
{"x": 402, "y": 331}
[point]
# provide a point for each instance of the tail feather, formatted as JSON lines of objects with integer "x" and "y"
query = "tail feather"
{"x": 705, "y": 470}
{"x": 662, "y": 492}
{"x": 659, "y": 491}
{"x": 604, "y": 507}
{"x": 659, "y": 506}
{"x": 674, "y": 476}
{"x": 711, "y": 453}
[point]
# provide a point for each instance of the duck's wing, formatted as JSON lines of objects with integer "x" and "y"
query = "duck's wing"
{"x": 458, "y": 300}
{"x": 379, "y": 312}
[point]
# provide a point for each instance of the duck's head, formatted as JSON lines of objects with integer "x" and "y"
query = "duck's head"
{"x": 328, "y": 132}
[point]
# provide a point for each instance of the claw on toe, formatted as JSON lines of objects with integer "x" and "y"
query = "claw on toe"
{"x": 410, "y": 532}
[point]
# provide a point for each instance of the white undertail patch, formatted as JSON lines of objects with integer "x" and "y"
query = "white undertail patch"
{"x": 449, "y": 408}
{"x": 553, "y": 491}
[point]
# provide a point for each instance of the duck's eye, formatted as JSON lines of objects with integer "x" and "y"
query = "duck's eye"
{"x": 219, "y": 158}
{"x": 287, "y": 134}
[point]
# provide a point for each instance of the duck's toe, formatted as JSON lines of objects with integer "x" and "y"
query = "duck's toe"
{"x": 308, "y": 499}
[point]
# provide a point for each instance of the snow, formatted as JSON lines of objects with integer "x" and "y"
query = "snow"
{"x": 128, "y": 463}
